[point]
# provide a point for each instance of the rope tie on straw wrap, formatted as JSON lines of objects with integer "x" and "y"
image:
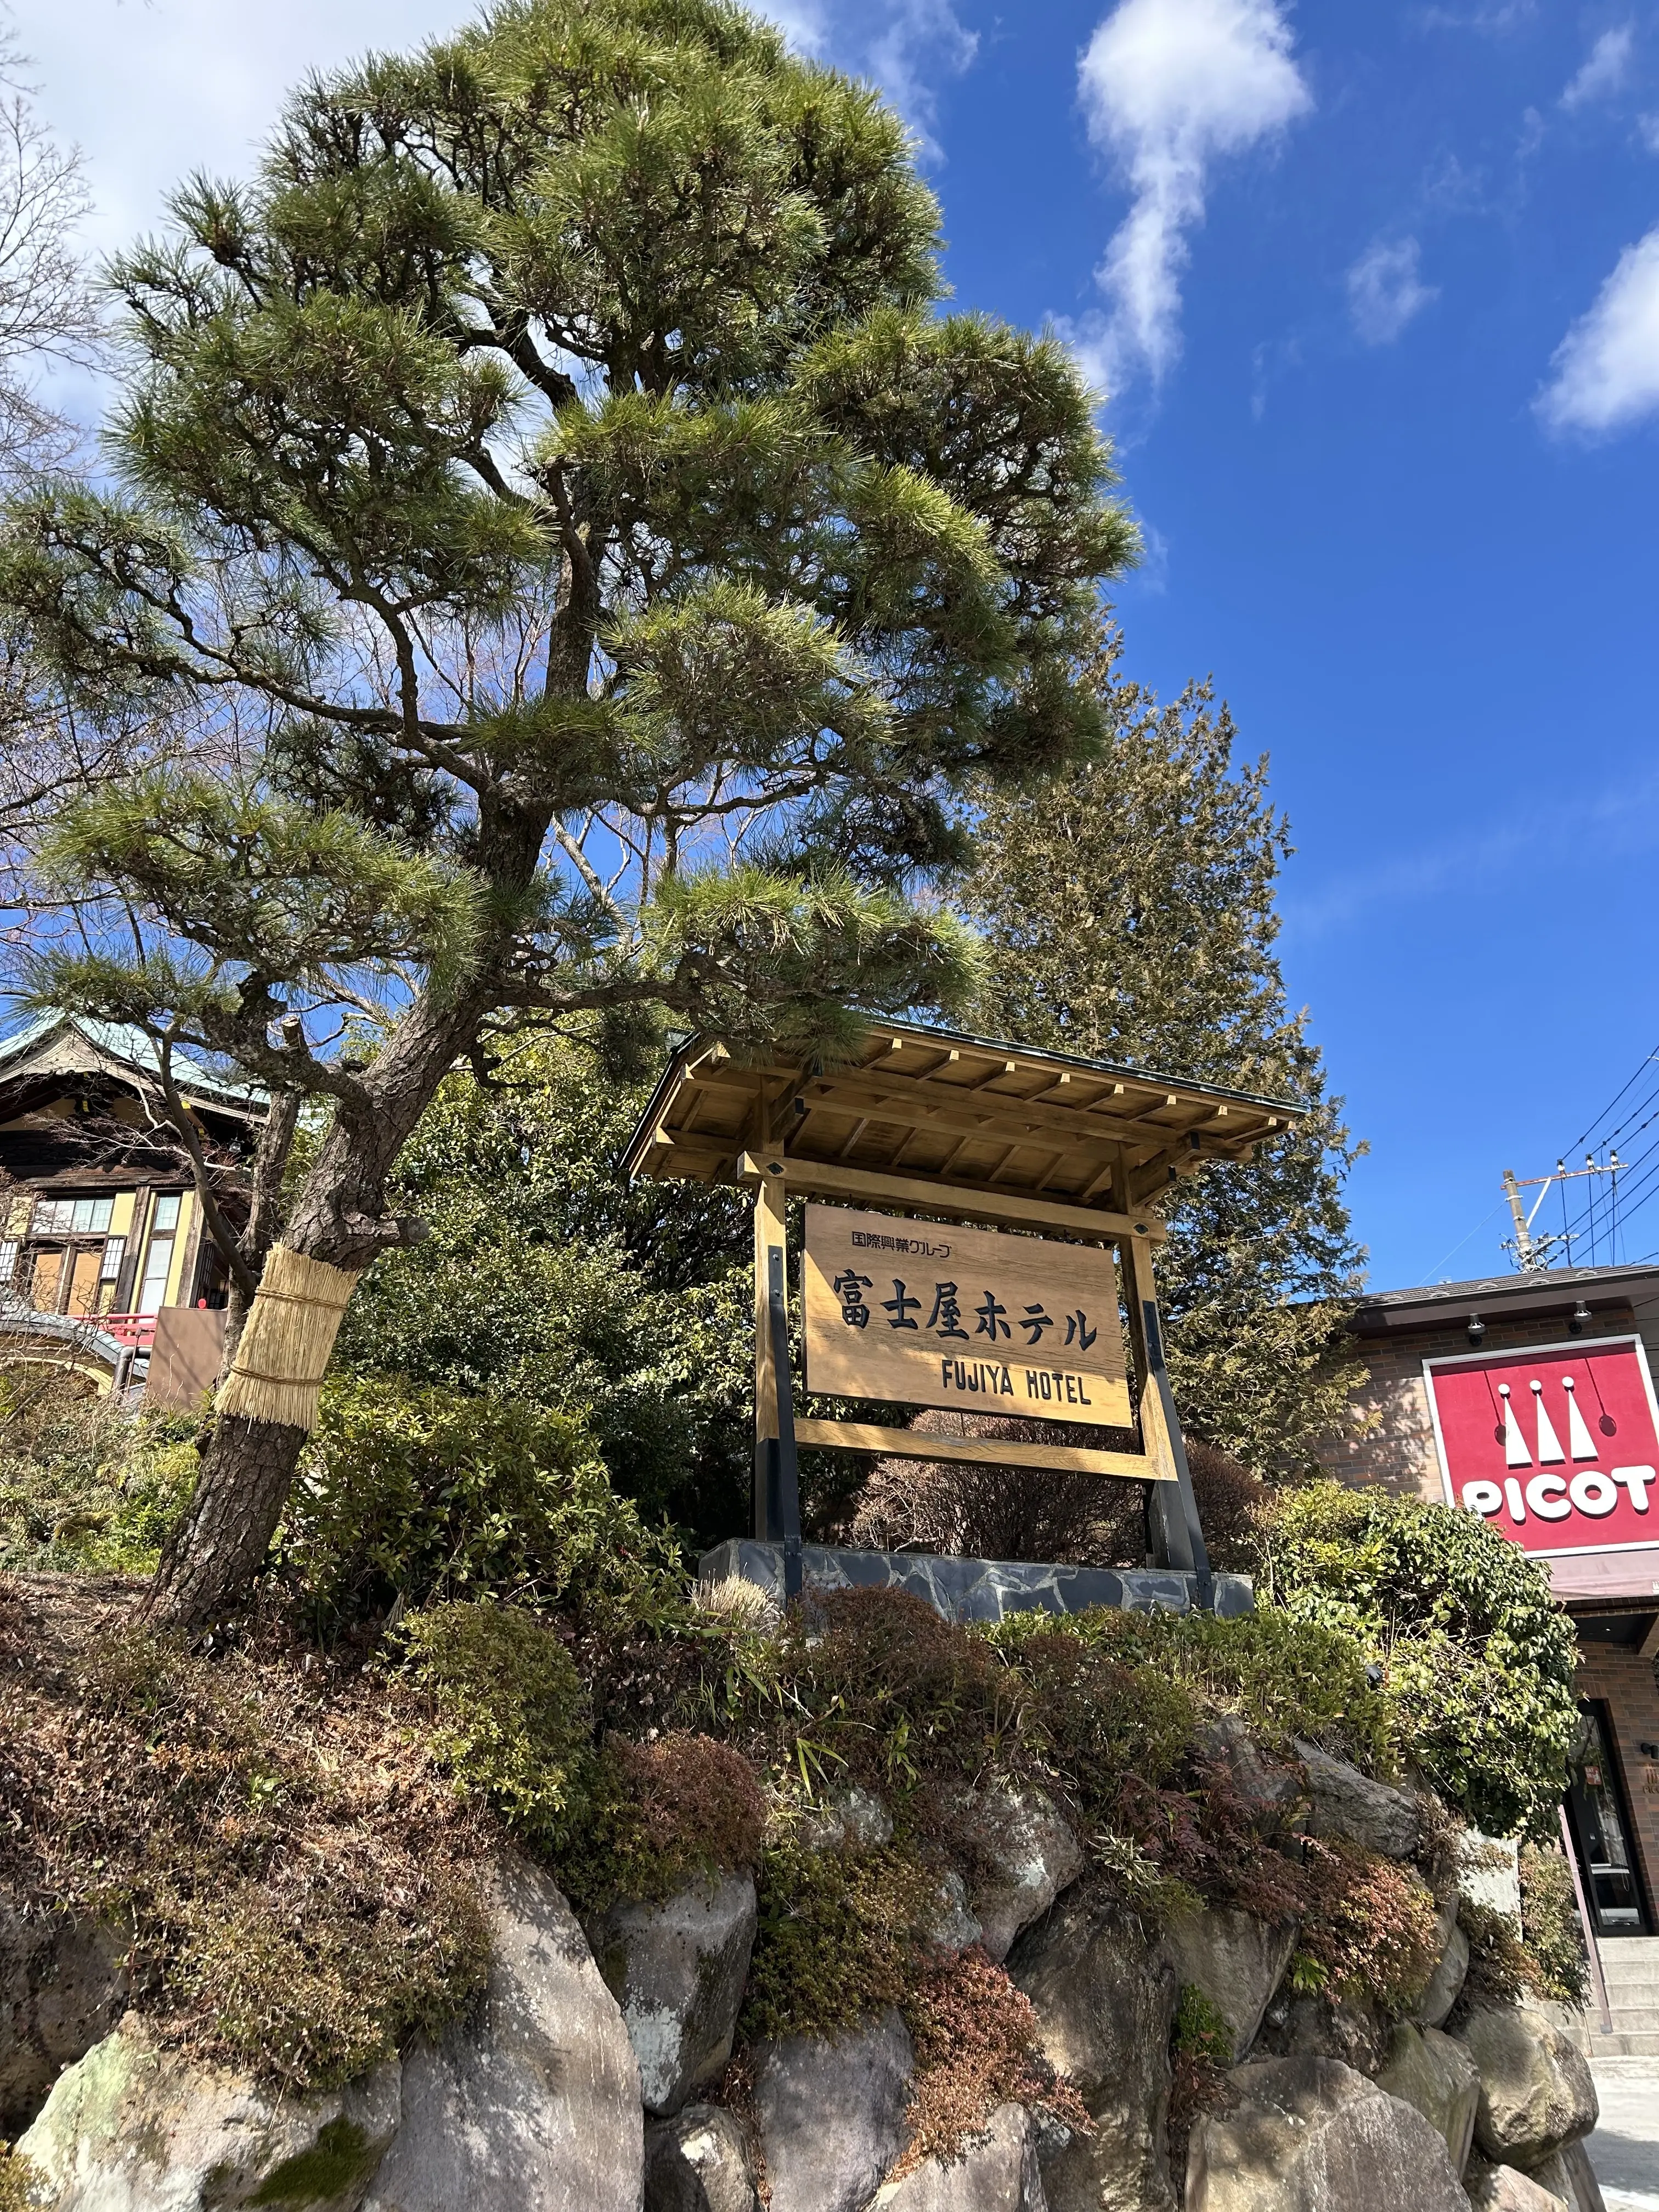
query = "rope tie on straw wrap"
{"x": 284, "y": 1351}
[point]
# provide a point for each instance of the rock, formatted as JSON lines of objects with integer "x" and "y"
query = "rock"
{"x": 1445, "y": 1984}
{"x": 1274, "y": 1791}
{"x": 1105, "y": 1999}
{"x": 994, "y": 2171}
{"x": 1309, "y": 2135}
{"x": 1488, "y": 1870}
{"x": 1348, "y": 1807}
{"x": 1238, "y": 1961}
{"x": 534, "y": 2107}
{"x": 133, "y": 2128}
{"x": 955, "y": 1927}
{"x": 1432, "y": 2072}
{"x": 1026, "y": 1855}
{"x": 1536, "y": 2092}
{"x": 832, "y": 2114}
{"x": 1354, "y": 2031}
{"x": 1586, "y": 2189}
{"x": 62, "y": 1988}
{"x": 677, "y": 1972}
{"x": 847, "y": 1817}
{"x": 699, "y": 2162}
{"x": 1505, "y": 2189}
{"x": 1567, "y": 2178}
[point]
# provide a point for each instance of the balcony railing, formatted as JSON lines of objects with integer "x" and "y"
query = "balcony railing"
{"x": 137, "y": 1329}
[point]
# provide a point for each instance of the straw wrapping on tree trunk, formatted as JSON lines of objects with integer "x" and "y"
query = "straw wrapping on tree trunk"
{"x": 284, "y": 1350}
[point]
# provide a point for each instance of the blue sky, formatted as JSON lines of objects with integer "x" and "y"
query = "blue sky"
{"x": 1376, "y": 293}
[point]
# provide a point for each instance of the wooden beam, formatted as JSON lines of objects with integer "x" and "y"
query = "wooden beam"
{"x": 669, "y": 1155}
{"x": 979, "y": 1451}
{"x": 957, "y": 1201}
{"x": 950, "y": 1105}
{"x": 890, "y": 1106}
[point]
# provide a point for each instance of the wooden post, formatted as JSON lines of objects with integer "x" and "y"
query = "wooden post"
{"x": 770, "y": 1237}
{"x": 1172, "y": 1511}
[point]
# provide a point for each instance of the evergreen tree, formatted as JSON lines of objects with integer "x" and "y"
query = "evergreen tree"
{"x": 553, "y": 466}
{"x": 1129, "y": 911}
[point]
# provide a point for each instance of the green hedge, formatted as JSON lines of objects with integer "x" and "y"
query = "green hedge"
{"x": 412, "y": 1492}
{"x": 1478, "y": 1660}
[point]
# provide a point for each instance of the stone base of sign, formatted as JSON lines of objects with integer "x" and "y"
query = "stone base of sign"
{"x": 974, "y": 1590}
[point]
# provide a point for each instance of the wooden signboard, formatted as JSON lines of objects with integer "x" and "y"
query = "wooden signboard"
{"x": 926, "y": 1313}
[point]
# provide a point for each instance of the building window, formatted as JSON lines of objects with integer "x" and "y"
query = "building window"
{"x": 158, "y": 1264}
{"x": 114, "y": 1252}
{"x": 167, "y": 1212}
{"x": 75, "y": 1217}
{"x": 8, "y": 1249}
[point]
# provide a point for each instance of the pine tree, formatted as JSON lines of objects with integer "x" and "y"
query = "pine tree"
{"x": 1129, "y": 911}
{"x": 552, "y": 471}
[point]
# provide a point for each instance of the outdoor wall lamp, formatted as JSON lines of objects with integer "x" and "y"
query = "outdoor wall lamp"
{"x": 1580, "y": 1316}
{"x": 1477, "y": 1330}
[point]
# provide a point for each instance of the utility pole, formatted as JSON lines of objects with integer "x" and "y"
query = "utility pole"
{"x": 1526, "y": 1252}
{"x": 1532, "y": 1253}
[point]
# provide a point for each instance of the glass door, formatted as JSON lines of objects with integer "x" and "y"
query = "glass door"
{"x": 1600, "y": 1820}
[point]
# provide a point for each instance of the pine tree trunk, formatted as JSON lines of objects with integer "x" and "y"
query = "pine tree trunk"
{"x": 208, "y": 1569}
{"x": 217, "y": 1553}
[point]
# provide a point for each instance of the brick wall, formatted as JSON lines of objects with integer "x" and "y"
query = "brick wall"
{"x": 1626, "y": 1682}
{"x": 1396, "y": 1447}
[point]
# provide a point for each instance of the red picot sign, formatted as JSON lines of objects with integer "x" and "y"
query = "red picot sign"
{"x": 1558, "y": 1446}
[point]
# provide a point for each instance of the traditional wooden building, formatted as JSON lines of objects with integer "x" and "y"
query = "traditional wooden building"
{"x": 102, "y": 1229}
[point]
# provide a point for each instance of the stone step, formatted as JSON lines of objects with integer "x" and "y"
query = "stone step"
{"x": 1633, "y": 2020}
{"x": 1631, "y": 1977}
{"x": 1620, "y": 2044}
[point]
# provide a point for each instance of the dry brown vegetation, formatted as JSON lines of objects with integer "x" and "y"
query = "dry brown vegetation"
{"x": 1000, "y": 1513}
{"x": 292, "y": 1872}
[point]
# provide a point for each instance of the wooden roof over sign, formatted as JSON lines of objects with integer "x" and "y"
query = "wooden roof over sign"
{"x": 963, "y": 1112}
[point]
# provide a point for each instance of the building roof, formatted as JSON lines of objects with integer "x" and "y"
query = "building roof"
{"x": 1517, "y": 1296}
{"x": 943, "y": 1107}
{"x": 56, "y": 1042}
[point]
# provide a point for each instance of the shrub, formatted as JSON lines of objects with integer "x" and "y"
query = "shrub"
{"x": 21, "y": 2181}
{"x": 85, "y": 1486}
{"x": 416, "y": 1493}
{"x": 1500, "y": 1972}
{"x": 1286, "y": 1677}
{"x": 511, "y": 1718}
{"x": 660, "y": 1813}
{"x": 292, "y": 1877}
{"x": 1371, "y": 1925}
{"x": 841, "y": 1933}
{"x": 1478, "y": 1660}
{"x": 1096, "y": 1721}
{"x": 1550, "y": 1927}
{"x": 976, "y": 2046}
{"x": 893, "y": 1694}
{"x": 1202, "y": 2028}
{"x": 299, "y": 1983}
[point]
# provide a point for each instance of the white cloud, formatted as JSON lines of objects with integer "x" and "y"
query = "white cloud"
{"x": 1607, "y": 368}
{"x": 152, "y": 91}
{"x": 1603, "y": 69}
{"x": 1649, "y": 127}
{"x": 906, "y": 46}
{"x": 1166, "y": 87}
{"x": 1385, "y": 291}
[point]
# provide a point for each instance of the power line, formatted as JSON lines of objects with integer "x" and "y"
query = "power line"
{"x": 1647, "y": 1061}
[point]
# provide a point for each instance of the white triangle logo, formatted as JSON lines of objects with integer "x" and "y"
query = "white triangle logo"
{"x": 1515, "y": 1444}
{"x": 1579, "y": 1436}
{"x": 1550, "y": 1453}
